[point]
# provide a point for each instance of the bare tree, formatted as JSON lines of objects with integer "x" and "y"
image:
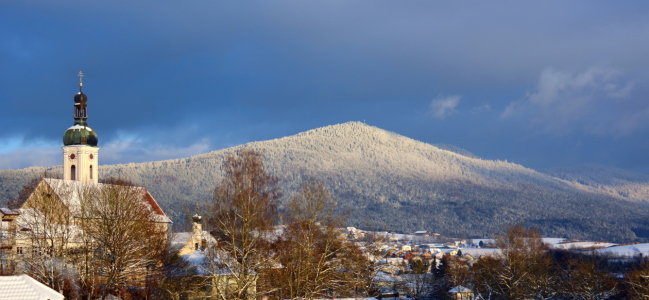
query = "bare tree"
{"x": 524, "y": 270}
{"x": 638, "y": 280}
{"x": 587, "y": 277}
{"x": 456, "y": 270}
{"x": 417, "y": 281}
{"x": 486, "y": 274}
{"x": 316, "y": 258}
{"x": 46, "y": 233}
{"x": 123, "y": 237}
{"x": 179, "y": 277}
{"x": 245, "y": 207}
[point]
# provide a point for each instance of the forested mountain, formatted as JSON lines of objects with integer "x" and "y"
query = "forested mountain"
{"x": 605, "y": 180}
{"x": 387, "y": 181}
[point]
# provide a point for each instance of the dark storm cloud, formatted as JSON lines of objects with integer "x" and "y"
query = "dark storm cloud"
{"x": 167, "y": 79}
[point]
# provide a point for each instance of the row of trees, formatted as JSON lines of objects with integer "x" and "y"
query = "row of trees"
{"x": 528, "y": 269}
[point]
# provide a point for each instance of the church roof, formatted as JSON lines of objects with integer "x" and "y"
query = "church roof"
{"x": 68, "y": 193}
{"x": 80, "y": 134}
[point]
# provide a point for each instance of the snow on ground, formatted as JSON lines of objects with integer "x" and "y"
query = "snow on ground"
{"x": 553, "y": 241}
{"x": 583, "y": 245}
{"x": 476, "y": 252}
{"x": 626, "y": 250}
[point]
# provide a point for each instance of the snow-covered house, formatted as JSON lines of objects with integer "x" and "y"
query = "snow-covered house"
{"x": 462, "y": 293}
{"x": 23, "y": 287}
{"x": 190, "y": 242}
{"x": 421, "y": 233}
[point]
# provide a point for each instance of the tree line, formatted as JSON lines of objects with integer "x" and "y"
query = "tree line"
{"x": 526, "y": 268}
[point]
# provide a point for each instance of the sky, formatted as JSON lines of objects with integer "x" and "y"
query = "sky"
{"x": 543, "y": 84}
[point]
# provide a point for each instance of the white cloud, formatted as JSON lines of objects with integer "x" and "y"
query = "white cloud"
{"x": 34, "y": 157}
{"x": 482, "y": 108}
{"x": 133, "y": 150}
{"x": 564, "y": 101}
{"x": 443, "y": 106}
{"x": 112, "y": 152}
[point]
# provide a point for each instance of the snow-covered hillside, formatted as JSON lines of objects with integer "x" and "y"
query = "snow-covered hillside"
{"x": 391, "y": 182}
{"x": 611, "y": 181}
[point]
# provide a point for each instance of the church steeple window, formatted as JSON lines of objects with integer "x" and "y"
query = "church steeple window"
{"x": 73, "y": 172}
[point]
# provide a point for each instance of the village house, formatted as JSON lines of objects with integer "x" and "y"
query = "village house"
{"x": 190, "y": 242}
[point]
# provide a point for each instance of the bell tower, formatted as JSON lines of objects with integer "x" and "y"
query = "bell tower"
{"x": 80, "y": 151}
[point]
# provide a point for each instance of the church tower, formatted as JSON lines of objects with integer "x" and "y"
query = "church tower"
{"x": 80, "y": 151}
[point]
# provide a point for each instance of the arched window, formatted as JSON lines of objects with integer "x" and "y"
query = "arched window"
{"x": 73, "y": 172}
{"x": 90, "y": 171}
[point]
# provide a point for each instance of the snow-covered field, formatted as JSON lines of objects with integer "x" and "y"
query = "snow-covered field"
{"x": 626, "y": 250}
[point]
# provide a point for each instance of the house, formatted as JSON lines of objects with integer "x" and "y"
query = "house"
{"x": 23, "y": 287}
{"x": 452, "y": 252}
{"x": 7, "y": 240}
{"x": 462, "y": 293}
{"x": 421, "y": 233}
{"x": 190, "y": 242}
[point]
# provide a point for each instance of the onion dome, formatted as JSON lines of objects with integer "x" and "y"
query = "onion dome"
{"x": 80, "y": 97}
{"x": 80, "y": 133}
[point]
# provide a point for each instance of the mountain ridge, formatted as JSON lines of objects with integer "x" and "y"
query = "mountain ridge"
{"x": 389, "y": 181}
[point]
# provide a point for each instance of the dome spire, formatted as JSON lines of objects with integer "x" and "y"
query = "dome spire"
{"x": 80, "y": 133}
{"x": 80, "y": 151}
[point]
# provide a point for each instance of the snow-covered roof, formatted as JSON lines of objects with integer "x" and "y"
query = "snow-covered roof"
{"x": 180, "y": 239}
{"x": 23, "y": 287}
{"x": 68, "y": 192}
{"x": 7, "y": 211}
{"x": 461, "y": 289}
{"x": 79, "y": 127}
{"x": 201, "y": 260}
{"x": 476, "y": 252}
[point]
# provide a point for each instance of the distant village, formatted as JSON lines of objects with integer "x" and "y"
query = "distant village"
{"x": 394, "y": 254}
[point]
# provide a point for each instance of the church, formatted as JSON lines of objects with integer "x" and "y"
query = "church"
{"x": 70, "y": 213}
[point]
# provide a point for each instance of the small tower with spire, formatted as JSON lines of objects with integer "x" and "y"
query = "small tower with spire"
{"x": 80, "y": 151}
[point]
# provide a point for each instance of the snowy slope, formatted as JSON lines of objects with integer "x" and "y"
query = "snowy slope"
{"x": 391, "y": 182}
{"x": 605, "y": 180}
